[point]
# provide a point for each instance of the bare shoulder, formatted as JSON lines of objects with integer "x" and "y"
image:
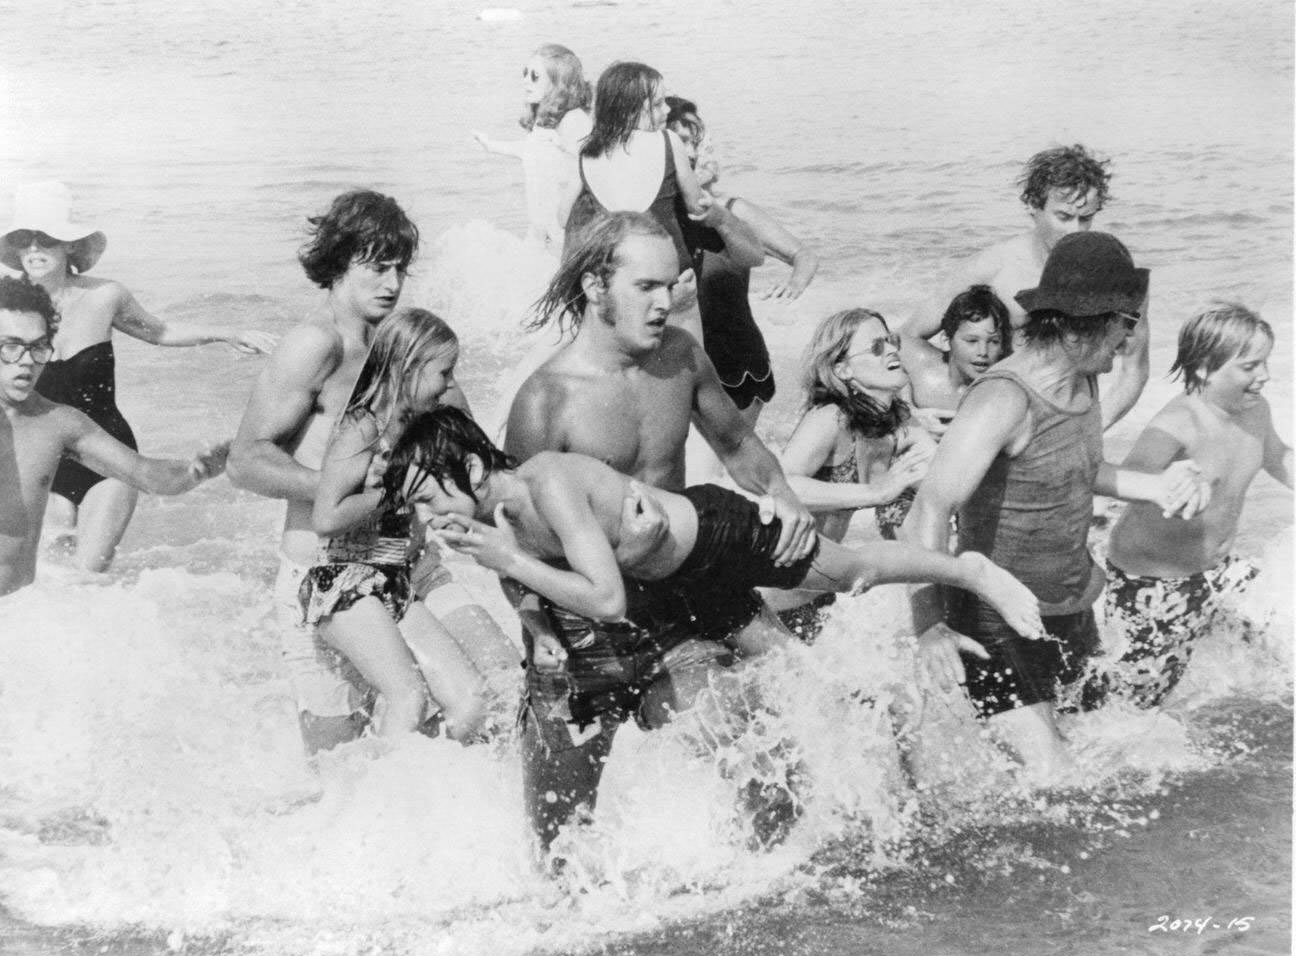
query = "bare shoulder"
{"x": 554, "y": 475}
{"x": 983, "y": 266}
{"x": 822, "y": 420}
{"x": 307, "y": 353}
{"x": 994, "y": 398}
{"x": 1182, "y": 417}
{"x": 575, "y": 124}
{"x": 919, "y": 355}
{"x": 536, "y": 417}
{"x": 97, "y": 288}
{"x": 679, "y": 345}
{"x": 55, "y": 423}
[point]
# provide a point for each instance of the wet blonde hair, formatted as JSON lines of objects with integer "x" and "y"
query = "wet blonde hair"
{"x": 405, "y": 341}
{"x": 1211, "y": 338}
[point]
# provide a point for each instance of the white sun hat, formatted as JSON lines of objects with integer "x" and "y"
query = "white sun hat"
{"x": 47, "y": 207}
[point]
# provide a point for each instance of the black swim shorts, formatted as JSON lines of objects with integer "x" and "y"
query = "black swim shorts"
{"x": 1021, "y": 672}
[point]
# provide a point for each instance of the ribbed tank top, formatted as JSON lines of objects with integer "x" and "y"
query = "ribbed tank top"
{"x": 1031, "y": 513}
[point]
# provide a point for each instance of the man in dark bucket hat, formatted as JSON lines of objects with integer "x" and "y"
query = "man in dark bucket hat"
{"x": 1088, "y": 274}
{"x": 1020, "y": 465}
{"x": 1063, "y": 189}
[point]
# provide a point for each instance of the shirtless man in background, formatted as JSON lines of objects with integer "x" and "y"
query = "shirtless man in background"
{"x": 1063, "y": 189}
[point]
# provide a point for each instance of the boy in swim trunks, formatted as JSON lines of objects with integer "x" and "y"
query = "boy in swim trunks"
{"x": 1168, "y": 580}
{"x": 37, "y": 434}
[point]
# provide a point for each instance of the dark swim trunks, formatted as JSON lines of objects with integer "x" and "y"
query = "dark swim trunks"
{"x": 1162, "y": 619}
{"x": 681, "y": 622}
{"x": 807, "y": 620}
{"x": 87, "y": 382}
{"x": 733, "y": 549}
{"x": 612, "y": 665}
{"x": 1021, "y": 672}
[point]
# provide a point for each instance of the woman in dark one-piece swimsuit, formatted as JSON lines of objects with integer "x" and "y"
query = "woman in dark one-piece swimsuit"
{"x": 54, "y": 252}
{"x": 630, "y": 162}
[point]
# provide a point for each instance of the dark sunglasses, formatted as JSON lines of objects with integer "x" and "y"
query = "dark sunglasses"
{"x": 879, "y": 345}
{"x": 1131, "y": 320}
{"x": 23, "y": 238}
{"x": 11, "y": 353}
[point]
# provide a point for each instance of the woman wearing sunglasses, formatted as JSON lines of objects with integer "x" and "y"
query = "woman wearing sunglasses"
{"x": 555, "y": 113}
{"x": 854, "y": 447}
{"x": 56, "y": 253}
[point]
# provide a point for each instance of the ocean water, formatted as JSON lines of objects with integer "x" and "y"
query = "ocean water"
{"x": 153, "y": 797}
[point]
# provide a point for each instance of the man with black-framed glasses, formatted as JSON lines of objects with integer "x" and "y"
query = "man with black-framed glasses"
{"x": 36, "y": 434}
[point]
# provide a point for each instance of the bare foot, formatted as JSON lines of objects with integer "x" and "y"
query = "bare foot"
{"x": 1012, "y": 599}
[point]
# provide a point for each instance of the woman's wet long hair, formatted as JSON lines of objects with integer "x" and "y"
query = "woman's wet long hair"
{"x": 622, "y": 91}
{"x": 404, "y": 342}
{"x": 435, "y": 445}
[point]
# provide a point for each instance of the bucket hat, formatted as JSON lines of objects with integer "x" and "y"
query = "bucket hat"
{"x": 1088, "y": 273}
{"x": 47, "y": 207}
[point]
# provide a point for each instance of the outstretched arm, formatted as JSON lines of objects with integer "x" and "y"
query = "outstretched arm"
{"x": 97, "y": 450}
{"x": 992, "y": 419}
{"x": 742, "y": 244}
{"x": 810, "y": 447}
{"x": 134, "y": 320}
{"x": 1121, "y": 389}
{"x": 781, "y": 244}
{"x": 1157, "y": 471}
{"x": 501, "y": 147}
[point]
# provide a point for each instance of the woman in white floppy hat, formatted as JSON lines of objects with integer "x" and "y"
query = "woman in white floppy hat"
{"x": 54, "y": 252}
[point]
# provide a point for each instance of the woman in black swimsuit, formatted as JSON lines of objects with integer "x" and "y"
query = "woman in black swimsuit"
{"x": 732, "y": 339}
{"x": 631, "y": 162}
{"x": 55, "y": 253}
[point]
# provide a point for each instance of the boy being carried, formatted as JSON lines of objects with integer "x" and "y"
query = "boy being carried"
{"x": 557, "y": 520}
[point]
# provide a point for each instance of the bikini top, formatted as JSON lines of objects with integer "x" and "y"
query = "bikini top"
{"x": 843, "y": 473}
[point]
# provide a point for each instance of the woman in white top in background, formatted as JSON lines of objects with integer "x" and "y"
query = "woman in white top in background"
{"x": 555, "y": 114}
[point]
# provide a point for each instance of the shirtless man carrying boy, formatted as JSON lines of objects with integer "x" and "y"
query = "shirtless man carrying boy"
{"x": 35, "y": 434}
{"x": 1166, "y": 576}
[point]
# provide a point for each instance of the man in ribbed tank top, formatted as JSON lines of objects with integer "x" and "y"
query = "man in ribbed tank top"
{"x": 1020, "y": 465}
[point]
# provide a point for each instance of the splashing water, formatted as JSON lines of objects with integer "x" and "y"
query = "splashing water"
{"x": 153, "y": 780}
